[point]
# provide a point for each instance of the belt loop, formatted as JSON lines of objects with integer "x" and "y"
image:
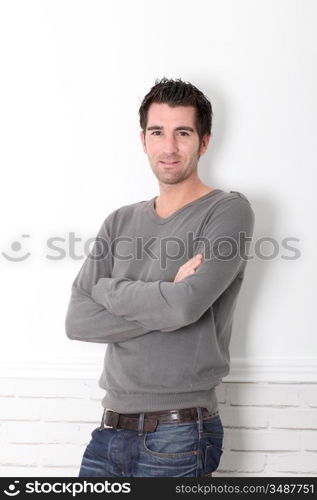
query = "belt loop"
{"x": 200, "y": 421}
{"x": 141, "y": 422}
{"x": 102, "y": 425}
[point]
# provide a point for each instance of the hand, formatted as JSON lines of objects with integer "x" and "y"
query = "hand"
{"x": 188, "y": 268}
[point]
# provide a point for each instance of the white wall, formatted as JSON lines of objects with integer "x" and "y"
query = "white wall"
{"x": 73, "y": 76}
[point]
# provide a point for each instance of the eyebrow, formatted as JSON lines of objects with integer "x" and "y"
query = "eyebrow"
{"x": 158, "y": 127}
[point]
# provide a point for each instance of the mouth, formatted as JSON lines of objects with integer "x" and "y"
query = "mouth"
{"x": 169, "y": 163}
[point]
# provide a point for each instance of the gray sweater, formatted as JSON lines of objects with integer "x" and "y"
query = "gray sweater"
{"x": 167, "y": 343}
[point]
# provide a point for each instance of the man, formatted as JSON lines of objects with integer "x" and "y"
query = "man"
{"x": 160, "y": 287}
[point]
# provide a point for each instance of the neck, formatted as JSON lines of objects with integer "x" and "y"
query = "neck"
{"x": 174, "y": 196}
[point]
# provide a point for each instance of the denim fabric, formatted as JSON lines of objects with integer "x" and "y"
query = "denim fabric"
{"x": 173, "y": 450}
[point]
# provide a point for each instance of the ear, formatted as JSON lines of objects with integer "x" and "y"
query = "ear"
{"x": 142, "y": 135}
{"x": 204, "y": 144}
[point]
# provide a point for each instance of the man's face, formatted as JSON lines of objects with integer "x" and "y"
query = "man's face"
{"x": 171, "y": 142}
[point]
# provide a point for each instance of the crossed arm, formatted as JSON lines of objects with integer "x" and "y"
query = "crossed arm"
{"x": 105, "y": 309}
{"x": 87, "y": 320}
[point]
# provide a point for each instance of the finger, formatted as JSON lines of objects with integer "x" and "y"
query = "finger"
{"x": 197, "y": 262}
{"x": 192, "y": 262}
{"x": 182, "y": 275}
{"x": 196, "y": 265}
{"x": 196, "y": 257}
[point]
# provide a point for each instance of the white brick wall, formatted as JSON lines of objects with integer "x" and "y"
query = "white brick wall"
{"x": 45, "y": 425}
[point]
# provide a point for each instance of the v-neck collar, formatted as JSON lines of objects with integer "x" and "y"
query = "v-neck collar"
{"x": 162, "y": 220}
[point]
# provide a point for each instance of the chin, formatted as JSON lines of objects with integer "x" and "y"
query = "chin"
{"x": 170, "y": 180}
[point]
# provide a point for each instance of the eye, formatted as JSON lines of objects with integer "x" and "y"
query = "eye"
{"x": 156, "y": 132}
{"x": 183, "y": 133}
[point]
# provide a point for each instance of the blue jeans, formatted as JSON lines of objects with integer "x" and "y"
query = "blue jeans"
{"x": 173, "y": 450}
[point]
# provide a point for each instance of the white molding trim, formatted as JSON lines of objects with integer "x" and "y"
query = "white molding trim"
{"x": 274, "y": 370}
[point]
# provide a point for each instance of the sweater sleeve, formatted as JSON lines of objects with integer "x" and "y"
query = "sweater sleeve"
{"x": 168, "y": 306}
{"x": 85, "y": 319}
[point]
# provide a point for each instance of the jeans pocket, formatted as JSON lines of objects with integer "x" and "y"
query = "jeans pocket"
{"x": 211, "y": 457}
{"x": 212, "y": 443}
{"x": 172, "y": 441}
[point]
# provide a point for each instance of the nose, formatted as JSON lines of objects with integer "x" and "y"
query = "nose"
{"x": 170, "y": 144}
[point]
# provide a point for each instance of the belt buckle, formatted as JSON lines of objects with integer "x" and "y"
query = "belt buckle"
{"x": 175, "y": 415}
{"x": 114, "y": 419}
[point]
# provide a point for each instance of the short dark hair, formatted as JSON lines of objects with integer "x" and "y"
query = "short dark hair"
{"x": 176, "y": 92}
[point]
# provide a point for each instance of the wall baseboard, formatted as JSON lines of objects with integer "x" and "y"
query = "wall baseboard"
{"x": 278, "y": 370}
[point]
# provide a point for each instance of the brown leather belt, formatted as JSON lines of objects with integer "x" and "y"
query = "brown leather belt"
{"x": 148, "y": 421}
